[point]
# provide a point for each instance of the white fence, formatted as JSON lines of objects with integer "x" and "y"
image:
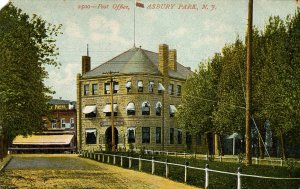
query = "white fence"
{"x": 219, "y": 158}
{"x": 101, "y": 157}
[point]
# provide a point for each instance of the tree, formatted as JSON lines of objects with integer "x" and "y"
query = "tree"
{"x": 199, "y": 98}
{"x": 26, "y": 46}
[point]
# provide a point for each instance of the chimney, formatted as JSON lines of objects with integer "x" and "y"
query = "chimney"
{"x": 173, "y": 59}
{"x": 163, "y": 57}
{"x": 86, "y": 62}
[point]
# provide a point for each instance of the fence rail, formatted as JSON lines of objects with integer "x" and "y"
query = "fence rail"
{"x": 217, "y": 158}
{"x": 238, "y": 174}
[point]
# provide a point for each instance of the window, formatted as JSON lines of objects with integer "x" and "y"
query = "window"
{"x": 53, "y": 123}
{"x": 173, "y": 110}
{"x": 178, "y": 90}
{"x": 131, "y": 135}
{"x": 130, "y": 108}
{"x": 161, "y": 88}
{"x": 140, "y": 86}
{"x": 158, "y": 108}
{"x": 106, "y": 88}
{"x": 188, "y": 139}
{"x": 107, "y": 110}
{"x": 94, "y": 89}
{"x": 146, "y": 135}
{"x": 116, "y": 87}
{"x": 158, "y": 135}
{"x": 171, "y": 135}
{"x": 198, "y": 139}
{"x": 86, "y": 89}
{"x": 179, "y": 136}
{"x": 63, "y": 123}
{"x": 128, "y": 86}
{"x": 171, "y": 89}
{"x": 72, "y": 122}
{"x": 90, "y": 136}
{"x": 145, "y": 108}
{"x": 90, "y": 111}
{"x": 150, "y": 86}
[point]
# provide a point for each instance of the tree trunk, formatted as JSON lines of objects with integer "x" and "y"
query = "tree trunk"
{"x": 282, "y": 146}
{"x": 216, "y": 144}
{"x": 220, "y": 146}
{"x": 1, "y": 148}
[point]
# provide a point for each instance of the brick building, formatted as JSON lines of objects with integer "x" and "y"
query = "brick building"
{"x": 146, "y": 91}
{"x": 59, "y": 133}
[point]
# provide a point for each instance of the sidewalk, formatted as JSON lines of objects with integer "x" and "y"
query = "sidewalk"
{"x": 5, "y": 161}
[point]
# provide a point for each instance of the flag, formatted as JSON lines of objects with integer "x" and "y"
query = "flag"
{"x": 139, "y": 4}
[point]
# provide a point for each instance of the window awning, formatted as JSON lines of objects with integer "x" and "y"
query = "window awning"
{"x": 173, "y": 109}
{"x": 89, "y": 109}
{"x": 131, "y": 129}
{"x": 91, "y": 131}
{"x": 128, "y": 85}
{"x": 107, "y": 108}
{"x": 130, "y": 106}
{"x": 161, "y": 87}
{"x": 140, "y": 84}
{"x": 43, "y": 140}
{"x": 145, "y": 104}
{"x": 158, "y": 105}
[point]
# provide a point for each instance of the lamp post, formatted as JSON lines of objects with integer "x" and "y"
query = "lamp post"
{"x": 110, "y": 73}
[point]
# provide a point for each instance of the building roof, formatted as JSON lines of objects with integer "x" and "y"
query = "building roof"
{"x": 58, "y": 101}
{"x": 43, "y": 140}
{"x": 136, "y": 61}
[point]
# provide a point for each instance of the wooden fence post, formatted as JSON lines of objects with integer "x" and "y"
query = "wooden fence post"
{"x": 185, "y": 171}
{"x": 140, "y": 163}
{"x": 129, "y": 164}
{"x": 167, "y": 169}
{"x": 239, "y": 181}
{"x": 153, "y": 167}
{"x": 206, "y": 176}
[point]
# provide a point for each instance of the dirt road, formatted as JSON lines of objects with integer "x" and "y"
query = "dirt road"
{"x": 70, "y": 171}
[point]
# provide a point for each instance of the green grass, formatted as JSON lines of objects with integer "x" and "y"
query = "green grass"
{"x": 217, "y": 180}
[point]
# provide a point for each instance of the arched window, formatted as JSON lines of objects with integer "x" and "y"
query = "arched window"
{"x": 158, "y": 107}
{"x": 145, "y": 108}
{"x": 130, "y": 109}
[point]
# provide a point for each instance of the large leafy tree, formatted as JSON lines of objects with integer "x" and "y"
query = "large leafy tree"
{"x": 26, "y": 46}
{"x": 200, "y": 98}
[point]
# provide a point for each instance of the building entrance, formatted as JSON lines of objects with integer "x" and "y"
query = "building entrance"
{"x": 108, "y": 138}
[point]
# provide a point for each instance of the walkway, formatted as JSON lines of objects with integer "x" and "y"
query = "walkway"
{"x": 70, "y": 171}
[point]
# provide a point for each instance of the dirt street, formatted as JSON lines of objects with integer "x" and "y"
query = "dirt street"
{"x": 70, "y": 171}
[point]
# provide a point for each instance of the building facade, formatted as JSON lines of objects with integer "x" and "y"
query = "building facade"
{"x": 59, "y": 134}
{"x": 146, "y": 89}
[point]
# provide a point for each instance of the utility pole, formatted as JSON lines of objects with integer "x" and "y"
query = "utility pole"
{"x": 248, "y": 84}
{"x": 110, "y": 73}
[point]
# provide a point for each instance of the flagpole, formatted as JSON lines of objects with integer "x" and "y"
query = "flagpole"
{"x": 134, "y": 24}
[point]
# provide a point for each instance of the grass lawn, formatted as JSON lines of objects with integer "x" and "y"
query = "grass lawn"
{"x": 218, "y": 180}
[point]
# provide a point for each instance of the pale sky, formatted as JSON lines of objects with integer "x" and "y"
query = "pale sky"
{"x": 196, "y": 33}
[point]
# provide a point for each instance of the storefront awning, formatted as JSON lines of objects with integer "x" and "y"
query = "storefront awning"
{"x": 43, "y": 140}
{"x": 130, "y": 106}
{"x": 107, "y": 108}
{"x": 89, "y": 109}
{"x": 161, "y": 87}
{"x": 173, "y": 109}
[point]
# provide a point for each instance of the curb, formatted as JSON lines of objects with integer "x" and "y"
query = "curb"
{"x": 5, "y": 162}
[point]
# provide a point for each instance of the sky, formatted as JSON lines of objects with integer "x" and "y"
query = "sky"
{"x": 195, "y": 28}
